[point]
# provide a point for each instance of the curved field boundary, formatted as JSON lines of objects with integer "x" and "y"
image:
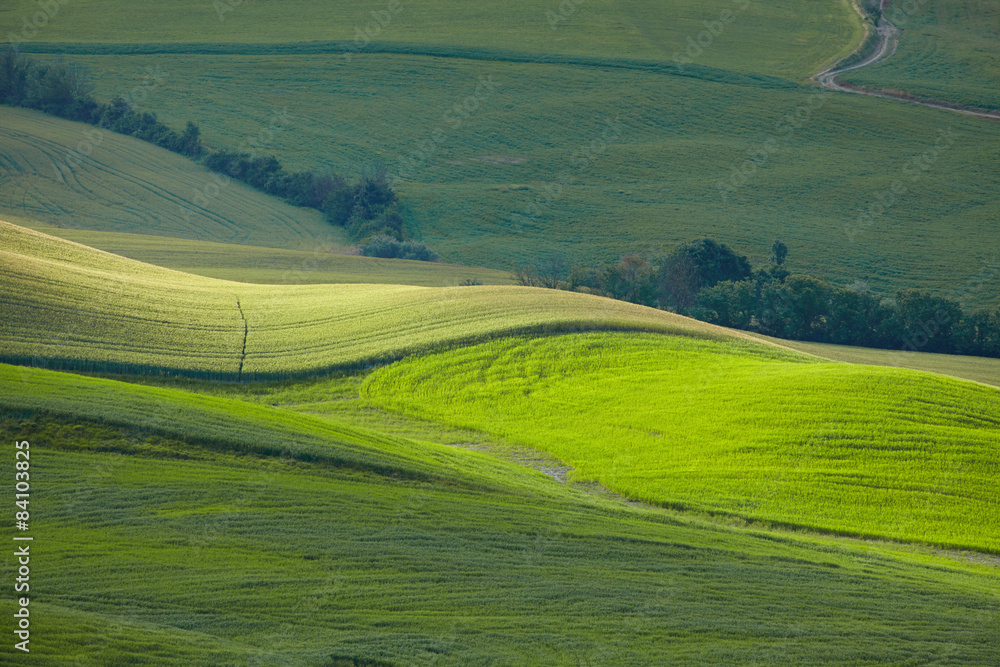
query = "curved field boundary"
{"x": 228, "y": 425}
{"x": 71, "y": 307}
{"x": 886, "y": 39}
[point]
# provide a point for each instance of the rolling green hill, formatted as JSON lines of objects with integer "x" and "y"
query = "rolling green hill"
{"x": 187, "y": 530}
{"x": 948, "y": 50}
{"x": 790, "y": 38}
{"x": 599, "y": 161}
{"x": 69, "y": 306}
{"x": 733, "y": 429}
{"x": 74, "y": 175}
{"x": 270, "y": 451}
{"x": 77, "y": 307}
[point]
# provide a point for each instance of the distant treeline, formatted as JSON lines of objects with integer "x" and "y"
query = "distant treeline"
{"x": 367, "y": 209}
{"x": 710, "y": 282}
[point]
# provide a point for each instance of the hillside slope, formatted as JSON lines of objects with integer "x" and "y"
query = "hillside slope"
{"x": 175, "y": 533}
{"x": 73, "y": 175}
{"x": 790, "y": 38}
{"x": 69, "y": 306}
{"x": 948, "y": 50}
{"x": 732, "y": 428}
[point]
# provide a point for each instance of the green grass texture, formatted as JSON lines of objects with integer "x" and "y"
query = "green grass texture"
{"x": 789, "y": 38}
{"x": 949, "y": 50}
{"x": 977, "y": 369}
{"x": 177, "y": 529}
{"x": 76, "y": 176}
{"x": 731, "y": 428}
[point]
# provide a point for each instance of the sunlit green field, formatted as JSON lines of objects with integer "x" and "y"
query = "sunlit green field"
{"x": 539, "y": 166}
{"x": 188, "y": 530}
{"x": 949, "y": 50}
{"x": 69, "y": 306}
{"x": 790, "y": 38}
{"x": 273, "y": 452}
{"x": 732, "y": 428}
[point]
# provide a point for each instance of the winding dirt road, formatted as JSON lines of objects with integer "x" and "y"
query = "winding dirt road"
{"x": 888, "y": 40}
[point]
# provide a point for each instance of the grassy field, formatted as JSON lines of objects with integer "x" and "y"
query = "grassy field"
{"x": 74, "y": 175}
{"x": 70, "y": 306}
{"x": 949, "y": 50}
{"x": 490, "y": 192}
{"x": 190, "y": 530}
{"x": 254, "y": 264}
{"x": 790, "y": 38}
{"x": 978, "y": 369}
{"x": 734, "y": 429}
{"x": 313, "y": 458}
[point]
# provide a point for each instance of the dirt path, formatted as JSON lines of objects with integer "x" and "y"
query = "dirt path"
{"x": 888, "y": 40}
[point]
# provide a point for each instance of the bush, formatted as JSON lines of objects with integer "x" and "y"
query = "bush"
{"x": 387, "y": 247}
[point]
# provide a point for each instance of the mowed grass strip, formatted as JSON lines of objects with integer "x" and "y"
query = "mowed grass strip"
{"x": 732, "y": 428}
{"x": 255, "y": 264}
{"x": 69, "y": 306}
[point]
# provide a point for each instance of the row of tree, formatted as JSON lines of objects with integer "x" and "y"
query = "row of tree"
{"x": 62, "y": 90}
{"x": 367, "y": 208}
{"x": 710, "y": 282}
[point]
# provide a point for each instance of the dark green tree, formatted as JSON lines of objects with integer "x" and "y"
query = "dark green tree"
{"x": 728, "y": 304}
{"x": 857, "y": 317}
{"x": 677, "y": 283}
{"x": 714, "y": 262}
{"x": 630, "y": 279}
{"x": 779, "y": 251}
{"x": 925, "y": 322}
{"x": 809, "y": 305}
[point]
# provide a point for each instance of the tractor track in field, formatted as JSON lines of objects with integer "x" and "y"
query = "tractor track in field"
{"x": 888, "y": 40}
{"x": 243, "y": 352}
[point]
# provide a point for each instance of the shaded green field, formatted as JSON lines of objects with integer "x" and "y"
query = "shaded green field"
{"x": 77, "y": 176}
{"x": 978, "y": 369}
{"x": 949, "y": 50}
{"x": 70, "y": 306}
{"x": 491, "y": 191}
{"x": 175, "y": 533}
{"x": 790, "y": 38}
{"x": 254, "y": 264}
{"x": 736, "y": 429}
